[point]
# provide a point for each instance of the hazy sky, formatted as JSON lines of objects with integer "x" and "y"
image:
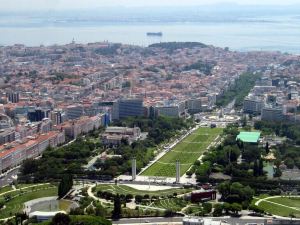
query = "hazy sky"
{"x": 86, "y": 4}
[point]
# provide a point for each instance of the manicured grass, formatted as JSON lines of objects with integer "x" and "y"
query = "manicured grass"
{"x": 20, "y": 186}
{"x": 279, "y": 210}
{"x": 5, "y": 189}
{"x": 64, "y": 205}
{"x": 123, "y": 189}
{"x": 187, "y": 152}
{"x": 175, "y": 204}
{"x": 23, "y": 188}
{"x": 291, "y": 202}
{"x": 195, "y": 210}
{"x": 18, "y": 199}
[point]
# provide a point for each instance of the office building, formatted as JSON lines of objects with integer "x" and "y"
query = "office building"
{"x": 194, "y": 105}
{"x": 57, "y": 117}
{"x": 74, "y": 112}
{"x": 130, "y": 107}
{"x": 253, "y": 105}
{"x": 272, "y": 114}
{"x": 13, "y": 97}
{"x": 37, "y": 114}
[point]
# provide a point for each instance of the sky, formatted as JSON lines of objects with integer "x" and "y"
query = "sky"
{"x": 21, "y": 5}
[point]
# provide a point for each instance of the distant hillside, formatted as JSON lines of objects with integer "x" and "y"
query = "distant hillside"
{"x": 172, "y": 46}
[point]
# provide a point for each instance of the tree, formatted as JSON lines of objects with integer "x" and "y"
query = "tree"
{"x": 65, "y": 185}
{"x": 207, "y": 207}
{"x": 292, "y": 215}
{"x": 255, "y": 169}
{"x": 244, "y": 121}
{"x": 289, "y": 162}
{"x": 256, "y": 209}
{"x": 138, "y": 199}
{"x": 169, "y": 213}
{"x": 29, "y": 166}
{"x": 227, "y": 207}
{"x": 267, "y": 148}
{"x": 100, "y": 211}
{"x": 278, "y": 172}
{"x": 61, "y": 219}
{"x": 117, "y": 211}
{"x": 236, "y": 208}
{"x": 2, "y": 204}
{"x": 260, "y": 167}
{"x": 128, "y": 197}
{"x": 189, "y": 173}
{"x": 90, "y": 210}
{"x": 218, "y": 210}
{"x": 224, "y": 189}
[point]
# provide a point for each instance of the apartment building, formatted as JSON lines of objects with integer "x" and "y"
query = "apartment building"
{"x": 15, "y": 153}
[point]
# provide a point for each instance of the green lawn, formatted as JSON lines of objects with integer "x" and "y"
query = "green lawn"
{"x": 187, "y": 152}
{"x": 282, "y": 210}
{"x": 194, "y": 210}
{"x": 16, "y": 203}
{"x": 64, "y": 205}
{"x": 175, "y": 204}
{"x": 5, "y": 189}
{"x": 123, "y": 189}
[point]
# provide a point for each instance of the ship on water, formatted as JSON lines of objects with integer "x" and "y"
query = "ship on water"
{"x": 154, "y": 34}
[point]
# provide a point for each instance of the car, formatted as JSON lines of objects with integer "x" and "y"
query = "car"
{"x": 147, "y": 221}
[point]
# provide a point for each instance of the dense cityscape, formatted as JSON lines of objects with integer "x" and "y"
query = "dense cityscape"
{"x": 172, "y": 133}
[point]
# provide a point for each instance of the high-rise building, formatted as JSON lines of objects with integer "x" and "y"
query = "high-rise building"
{"x": 253, "y": 105}
{"x": 194, "y": 105}
{"x": 272, "y": 114}
{"x": 37, "y": 114}
{"x": 176, "y": 109}
{"x": 130, "y": 107}
{"x": 56, "y": 116}
{"x": 13, "y": 97}
{"x": 74, "y": 111}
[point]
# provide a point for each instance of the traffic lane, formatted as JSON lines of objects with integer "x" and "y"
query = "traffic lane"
{"x": 148, "y": 220}
{"x": 8, "y": 179}
{"x": 231, "y": 220}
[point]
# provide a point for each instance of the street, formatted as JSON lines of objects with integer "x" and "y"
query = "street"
{"x": 7, "y": 179}
{"x": 178, "y": 220}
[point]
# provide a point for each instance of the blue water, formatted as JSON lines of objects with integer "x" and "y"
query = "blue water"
{"x": 276, "y": 33}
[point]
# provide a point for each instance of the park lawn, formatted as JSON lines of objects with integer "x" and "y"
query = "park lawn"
{"x": 24, "y": 188}
{"x": 123, "y": 189}
{"x": 20, "y": 186}
{"x": 200, "y": 138}
{"x": 187, "y": 152}
{"x": 16, "y": 204}
{"x": 64, "y": 205}
{"x": 292, "y": 202}
{"x": 277, "y": 209}
{"x": 193, "y": 210}
{"x": 175, "y": 204}
{"x": 5, "y": 189}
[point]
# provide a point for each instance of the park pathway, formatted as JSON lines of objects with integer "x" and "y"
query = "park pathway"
{"x": 91, "y": 194}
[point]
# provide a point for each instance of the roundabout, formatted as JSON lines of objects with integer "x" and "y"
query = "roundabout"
{"x": 217, "y": 118}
